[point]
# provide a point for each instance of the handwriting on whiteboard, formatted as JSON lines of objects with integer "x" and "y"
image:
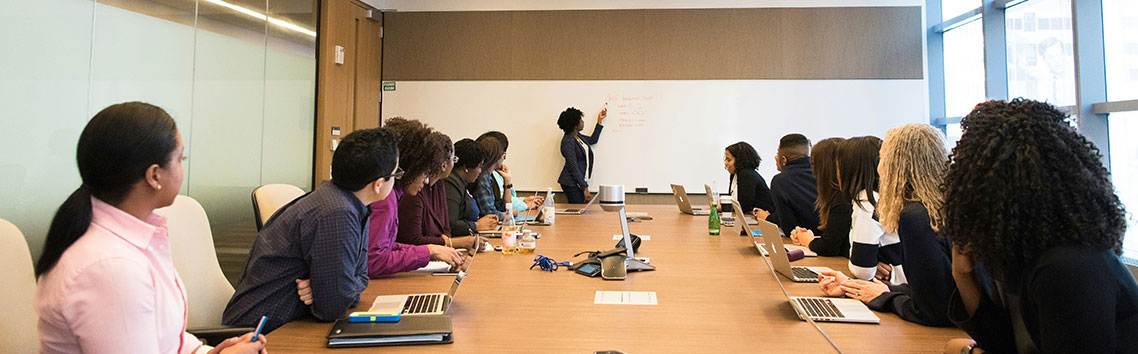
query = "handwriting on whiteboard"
{"x": 631, "y": 111}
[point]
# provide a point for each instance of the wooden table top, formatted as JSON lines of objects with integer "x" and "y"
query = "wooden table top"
{"x": 715, "y": 294}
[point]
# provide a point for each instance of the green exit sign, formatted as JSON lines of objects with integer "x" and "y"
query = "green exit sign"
{"x": 389, "y": 85}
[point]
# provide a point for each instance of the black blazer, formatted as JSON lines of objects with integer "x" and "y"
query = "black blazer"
{"x": 573, "y": 173}
{"x": 754, "y": 193}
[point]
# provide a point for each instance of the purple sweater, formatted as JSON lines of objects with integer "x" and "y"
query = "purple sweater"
{"x": 384, "y": 255}
{"x": 424, "y": 216}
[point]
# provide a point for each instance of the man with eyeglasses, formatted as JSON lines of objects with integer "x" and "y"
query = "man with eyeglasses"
{"x": 311, "y": 256}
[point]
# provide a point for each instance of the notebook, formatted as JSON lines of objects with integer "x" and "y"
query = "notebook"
{"x": 415, "y": 330}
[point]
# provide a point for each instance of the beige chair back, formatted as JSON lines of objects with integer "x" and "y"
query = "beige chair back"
{"x": 18, "y": 332}
{"x": 191, "y": 243}
{"x": 269, "y": 198}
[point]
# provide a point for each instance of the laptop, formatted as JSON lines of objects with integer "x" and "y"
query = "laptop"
{"x": 684, "y": 203}
{"x": 583, "y": 209}
{"x": 777, "y": 254}
{"x": 822, "y": 309}
{"x": 422, "y": 304}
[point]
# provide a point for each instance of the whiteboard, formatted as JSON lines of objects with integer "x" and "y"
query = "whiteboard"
{"x": 657, "y": 132}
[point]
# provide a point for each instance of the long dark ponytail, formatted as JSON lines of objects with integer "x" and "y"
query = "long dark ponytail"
{"x": 115, "y": 149}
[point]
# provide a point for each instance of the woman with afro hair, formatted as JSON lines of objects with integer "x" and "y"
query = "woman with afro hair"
{"x": 1036, "y": 231}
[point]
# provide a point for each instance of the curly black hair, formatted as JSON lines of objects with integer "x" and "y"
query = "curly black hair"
{"x": 569, "y": 119}
{"x": 1023, "y": 181}
{"x": 469, "y": 154}
{"x": 746, "y": 158}
{"x": 416, "y": 156}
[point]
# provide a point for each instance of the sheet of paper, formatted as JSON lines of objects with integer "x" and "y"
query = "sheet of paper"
{"x": 434, "y": 267}
{"x": 625, "y": 298}
{"x": 642, "y": 237}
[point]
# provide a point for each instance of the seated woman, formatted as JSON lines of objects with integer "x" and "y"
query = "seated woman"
{"x": 834, "y": 206}
{"x": 462, "y": 211}
{"x": 1029, "y": 204}
{"x": 487, "y": 195}
{"x": 913, "y": 163}
{"x": 417, "y": 160}
{"x": 423, "y": 218}
{"x": 747, "y": 186}
{"x": 519, "y": 205}
{"x": 106, "y": 281}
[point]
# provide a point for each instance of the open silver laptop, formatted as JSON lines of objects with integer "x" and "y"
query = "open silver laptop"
{"x": 823, "y": 309}
{"x": 422, "y": 304}
{"x": 582, "y": 210}
{"x": 777, "y": 254}
{"x": 684, "y": 202}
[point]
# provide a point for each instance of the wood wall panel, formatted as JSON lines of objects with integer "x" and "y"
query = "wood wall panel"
{"x": 670, "y": 44}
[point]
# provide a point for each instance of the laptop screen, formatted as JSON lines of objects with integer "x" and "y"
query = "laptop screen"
{"x": 462, "y": 271}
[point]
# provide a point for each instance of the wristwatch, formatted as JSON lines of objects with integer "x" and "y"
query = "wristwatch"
{"x": 508, "y": 186}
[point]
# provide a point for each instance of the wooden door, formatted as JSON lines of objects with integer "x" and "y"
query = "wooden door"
{"x": 347, "y": 90}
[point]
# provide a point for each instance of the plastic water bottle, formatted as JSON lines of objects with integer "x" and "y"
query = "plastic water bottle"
{"x": 527, "y": 243}
{"x": 713, "y": 221}
{"x": 509, "y": 236}
{"x": 547, "y": 211}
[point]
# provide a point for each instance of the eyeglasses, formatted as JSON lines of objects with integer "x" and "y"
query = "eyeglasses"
{"x": 397, "y": 174}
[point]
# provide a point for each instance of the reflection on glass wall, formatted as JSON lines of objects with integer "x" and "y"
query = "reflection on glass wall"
{"x": 963, "y": 68}
{"x": 1041, "y": 63}
{"x": 238, "y": 76}
{"x": 1120, "y": 31}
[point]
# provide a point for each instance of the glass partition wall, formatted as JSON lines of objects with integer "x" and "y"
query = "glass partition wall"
{"x": 238, "y": 76}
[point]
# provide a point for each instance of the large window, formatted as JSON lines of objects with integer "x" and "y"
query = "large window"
{"x": 953, "y": 8}
{"x": 963, "y": 68}
{"x": 1124, "y": 172}
{"x": 1120, "y": 30}
{"x": 1040, "y": 51}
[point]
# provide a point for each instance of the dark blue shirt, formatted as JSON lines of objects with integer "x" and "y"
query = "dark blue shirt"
{"x": 321, "y": 236}
{"x": 574, "y": 173}
{"x": 794, "y": 191}
{"x": 486, "y": 198}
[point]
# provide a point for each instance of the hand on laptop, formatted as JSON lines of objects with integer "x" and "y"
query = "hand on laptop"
{"x": 304, "y": 290}
{"x": 534, "y": 201}
{"x": 445, "y": 254}
{"x": 864, "y": 291}
{"x": 488, "y": 222}
{"x": 831, "y": 282}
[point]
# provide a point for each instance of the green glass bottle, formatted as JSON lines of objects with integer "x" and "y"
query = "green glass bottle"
{"x": 713, "y": 221}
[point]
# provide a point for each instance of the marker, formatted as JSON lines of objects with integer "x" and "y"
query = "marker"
{"x": 260, "y": 326}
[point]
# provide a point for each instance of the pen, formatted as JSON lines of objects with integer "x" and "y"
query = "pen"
{"x": 260, "y": 326}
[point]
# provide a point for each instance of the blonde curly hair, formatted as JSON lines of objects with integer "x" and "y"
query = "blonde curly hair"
{"x": 913, "y": 164}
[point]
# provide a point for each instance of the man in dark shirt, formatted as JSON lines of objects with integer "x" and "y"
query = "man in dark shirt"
{"x": 794, "y": 189}
{"x": 321, "y": 238}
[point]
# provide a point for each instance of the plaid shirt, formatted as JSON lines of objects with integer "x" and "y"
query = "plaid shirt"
{"x": 485, "y": 197}
{"x": 321, "y": 236}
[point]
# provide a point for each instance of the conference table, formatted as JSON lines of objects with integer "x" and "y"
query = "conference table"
{"x": 714, "y": 294}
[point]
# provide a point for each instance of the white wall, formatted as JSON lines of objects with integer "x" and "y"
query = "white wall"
{"x": 703, "y": 115}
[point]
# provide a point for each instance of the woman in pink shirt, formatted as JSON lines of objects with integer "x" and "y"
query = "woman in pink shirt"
{"x": 106, "y": 280}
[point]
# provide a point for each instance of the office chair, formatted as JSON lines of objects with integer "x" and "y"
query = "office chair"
{"x": 207, "y": 290}
{"x": 18, "y": 332}
{"x": 267, "y": 199}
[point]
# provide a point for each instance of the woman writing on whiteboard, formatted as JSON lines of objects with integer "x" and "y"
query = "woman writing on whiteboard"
{"x": 575, "y": 148}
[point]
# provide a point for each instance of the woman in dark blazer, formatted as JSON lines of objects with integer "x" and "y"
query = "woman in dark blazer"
{"x": 575, "y": 148}
{"x": 747, "y": 186}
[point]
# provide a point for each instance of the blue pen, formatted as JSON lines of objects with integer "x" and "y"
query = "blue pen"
{"x": 260, "y": 326}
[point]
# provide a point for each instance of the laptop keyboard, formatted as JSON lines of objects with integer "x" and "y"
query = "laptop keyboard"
{"x": 820, "y": 308}
{"x": 806, "y": 274}
{"x": 421, "y": 303}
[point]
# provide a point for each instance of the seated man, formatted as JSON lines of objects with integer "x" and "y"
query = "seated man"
{"x": 321, "y": 236}
{"x": 794, "y": 189}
